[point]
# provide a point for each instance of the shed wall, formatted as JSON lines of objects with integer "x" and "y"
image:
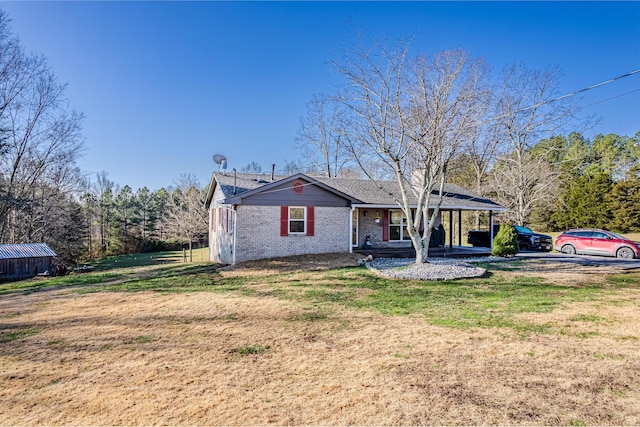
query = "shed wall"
{"x": 23, "y": 268}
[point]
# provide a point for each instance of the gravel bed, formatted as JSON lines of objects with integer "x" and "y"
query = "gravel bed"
{"x": 435, "y": 269}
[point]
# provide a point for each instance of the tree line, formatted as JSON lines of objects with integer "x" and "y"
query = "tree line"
{"x": 571, "y": 181}
{"x": 45, "y": 197}
{"x": 120, "y": 220}
{"x": 40, "y": 141}
{"x": 597, "y": 183}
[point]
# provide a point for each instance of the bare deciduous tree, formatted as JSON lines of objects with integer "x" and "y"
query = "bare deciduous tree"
{"x": 253, "y": 167}
{"x": 480, "y": 155}
{"x": 452, "y": 97}
{"x": 529, "y": 111}
{"x": 186, "y": 215}
{"x": 39, "y": 136}
{"x": 321, "y": 136}
{"x": 412, "y": 116}
{"x": 290, "y": 167}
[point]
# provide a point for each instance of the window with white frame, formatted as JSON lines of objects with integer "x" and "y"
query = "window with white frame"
{"x": 297, "y": 220}
{"x": 398, "y": 226}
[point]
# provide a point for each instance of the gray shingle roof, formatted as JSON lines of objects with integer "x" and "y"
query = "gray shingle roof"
{"x": 388, "y": 193}
{"x": 382, "y": 193}
{"x": 27, "y": 250}
{"x": 243, "y": 182}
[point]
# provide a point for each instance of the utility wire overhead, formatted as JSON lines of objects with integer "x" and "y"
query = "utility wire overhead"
{"x": 581, "y": 91}
{"x": 549, "y": 101}
{"x": 612, "y": 97}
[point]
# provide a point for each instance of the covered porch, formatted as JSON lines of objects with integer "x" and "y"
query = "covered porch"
{"x": 375, "y": 238}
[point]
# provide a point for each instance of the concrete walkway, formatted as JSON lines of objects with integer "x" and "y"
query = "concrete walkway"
{"x": 589, "y": 260}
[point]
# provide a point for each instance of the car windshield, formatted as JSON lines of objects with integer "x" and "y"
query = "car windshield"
{"x": 521, "y": 229}
{"x": 617, "y": 236}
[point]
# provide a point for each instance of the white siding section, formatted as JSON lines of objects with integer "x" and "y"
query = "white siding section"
{"x": 220, "y": 239}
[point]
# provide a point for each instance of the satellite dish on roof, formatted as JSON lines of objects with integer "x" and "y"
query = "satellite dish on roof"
{"x": 221, "y": 161}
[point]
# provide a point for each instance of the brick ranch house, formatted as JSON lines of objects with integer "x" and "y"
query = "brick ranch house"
{"x": 253, "y": 218}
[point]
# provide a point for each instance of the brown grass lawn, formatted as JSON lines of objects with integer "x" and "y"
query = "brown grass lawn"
{"x": 257, "y": 358}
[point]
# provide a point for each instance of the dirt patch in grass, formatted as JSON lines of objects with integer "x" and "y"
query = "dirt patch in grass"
{"x": 292, "y": 264}
{"x": 221, "y": 359}
{"x": 563, "y": 273}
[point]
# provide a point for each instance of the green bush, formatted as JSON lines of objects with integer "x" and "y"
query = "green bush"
{"x": 506, "y": 241}
{"x": 153, "y": 245}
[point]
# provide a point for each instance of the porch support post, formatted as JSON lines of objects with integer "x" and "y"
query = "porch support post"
{"x": 450, "y": 229}
{"x": 491, "y": 228}
{"x": 351, "y": 227}
{"x": 460, "y": 228}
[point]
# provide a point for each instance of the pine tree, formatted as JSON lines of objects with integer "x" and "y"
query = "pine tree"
{"x": 624, "y": 203}
{"x": 126, "y": 219}
{"x": 585, "y": 202}
{"x": 106, "y": 206}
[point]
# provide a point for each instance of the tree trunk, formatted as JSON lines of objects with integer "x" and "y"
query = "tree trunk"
{"x": 422, "y": 248}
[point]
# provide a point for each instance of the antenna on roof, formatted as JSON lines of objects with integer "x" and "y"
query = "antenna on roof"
{"x": 221, "y": 161}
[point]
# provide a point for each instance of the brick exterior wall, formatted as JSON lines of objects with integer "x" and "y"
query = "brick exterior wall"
{"x": 258, "y": 233}
{"x": 368, "y": 227}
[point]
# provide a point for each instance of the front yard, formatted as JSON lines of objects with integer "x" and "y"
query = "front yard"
{"x": 317, "y": 341}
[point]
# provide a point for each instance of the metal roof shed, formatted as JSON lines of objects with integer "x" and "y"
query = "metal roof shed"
{"x": 21, "y": 261}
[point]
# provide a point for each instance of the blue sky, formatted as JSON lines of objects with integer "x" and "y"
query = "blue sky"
{"x": 166, "y": 85}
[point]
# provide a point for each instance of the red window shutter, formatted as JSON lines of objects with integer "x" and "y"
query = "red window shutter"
{"x": 310, "y": 221}
{"x": 284, "y": 220}
{"x": 385, "y": 225}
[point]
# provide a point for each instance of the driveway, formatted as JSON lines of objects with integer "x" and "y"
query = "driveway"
{"x": 585, "y": 260}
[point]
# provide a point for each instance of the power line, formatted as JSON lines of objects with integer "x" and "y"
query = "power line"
{"x": 580, "y": 91}
{"x": 610, "y": 98}
{"x": 596, "y": 85}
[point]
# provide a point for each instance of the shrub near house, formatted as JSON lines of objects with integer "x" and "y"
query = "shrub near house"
{"x": 506, "y": 241}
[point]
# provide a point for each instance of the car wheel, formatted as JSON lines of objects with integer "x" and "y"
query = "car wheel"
{"x": 569, "y": 250}
{"x": 524, "y": 246}
{"x": 625, "y": 253}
